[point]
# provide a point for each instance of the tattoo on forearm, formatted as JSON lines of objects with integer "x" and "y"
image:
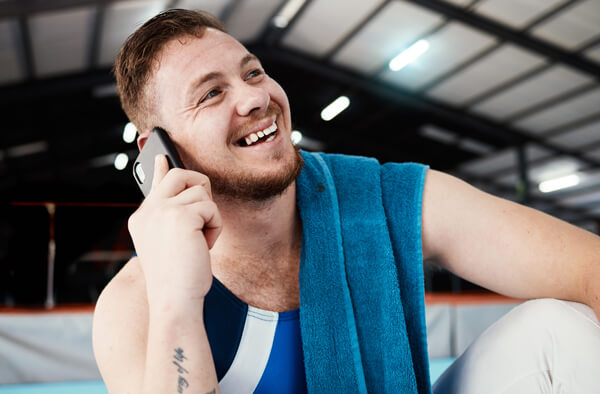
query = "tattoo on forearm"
{"x": 178, "y": 358}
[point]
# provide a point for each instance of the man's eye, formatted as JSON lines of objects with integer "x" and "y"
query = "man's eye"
{"x": 211, "y": 94}
{"x": 254, "y": 73}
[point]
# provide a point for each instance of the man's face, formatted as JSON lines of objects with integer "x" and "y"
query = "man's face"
{"x": 228, "y": 119}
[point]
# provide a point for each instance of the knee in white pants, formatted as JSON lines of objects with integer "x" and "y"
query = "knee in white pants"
{"x": 541, "y": 346}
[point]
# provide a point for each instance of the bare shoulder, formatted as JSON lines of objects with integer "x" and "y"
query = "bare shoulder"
{"x": 120, "y": 329}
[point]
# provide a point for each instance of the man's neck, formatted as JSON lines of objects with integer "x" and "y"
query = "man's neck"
{"x": 259, "y": 236}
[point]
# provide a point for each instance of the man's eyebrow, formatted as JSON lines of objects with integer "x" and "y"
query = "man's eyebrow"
{"x": 247, "y": 59}
{"x": 206, "y": 78}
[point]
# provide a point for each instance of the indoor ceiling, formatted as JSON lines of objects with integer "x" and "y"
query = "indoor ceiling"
{"x": 507, "y": 95}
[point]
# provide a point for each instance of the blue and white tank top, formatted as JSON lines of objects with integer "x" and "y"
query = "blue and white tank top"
{"x": 254, "y": 350}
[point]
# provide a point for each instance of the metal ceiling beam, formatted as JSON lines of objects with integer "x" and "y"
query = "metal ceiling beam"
{"x": 271, "y": 34}
{"x": 20, "y": 8}
{"x": 95, "y": 35}
{"x": 26, "y": 50}
{"x": 503, "y": 32}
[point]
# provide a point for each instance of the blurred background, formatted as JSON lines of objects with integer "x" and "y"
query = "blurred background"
{"x": 504, "y": 94}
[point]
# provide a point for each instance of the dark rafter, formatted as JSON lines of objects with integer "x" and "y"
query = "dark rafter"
{"x": 26, "y": 50}
{"x": 271, "y": 34}
{"x": 95, "y": 36}
{"x": 18, "y": 8}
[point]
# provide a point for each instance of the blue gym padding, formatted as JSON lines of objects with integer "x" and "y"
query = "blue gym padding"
{"x": 87, "y": 387}
{"x": 436, "y": 367}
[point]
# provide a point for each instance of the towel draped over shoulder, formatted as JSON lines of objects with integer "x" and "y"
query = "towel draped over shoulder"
{"x": 362, "y": 313}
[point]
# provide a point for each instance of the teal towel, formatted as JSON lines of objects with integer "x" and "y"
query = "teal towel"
{"x": 362, "y": 314}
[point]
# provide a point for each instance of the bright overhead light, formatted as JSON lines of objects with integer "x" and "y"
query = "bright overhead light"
{"x": 287, "y": 13}
{"x": 129, "y": 132}
{"x": 409, "y": 55}
{"x": 334, "y": 109}
{"x": 563, "y": 182}
{"x": 296, "y": 137}
{"x": 121, "y": 161}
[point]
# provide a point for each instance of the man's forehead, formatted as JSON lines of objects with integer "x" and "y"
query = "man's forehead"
{"x": 211, "y": 42}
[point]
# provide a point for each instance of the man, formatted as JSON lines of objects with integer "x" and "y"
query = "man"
{"x": 228, "y": 234}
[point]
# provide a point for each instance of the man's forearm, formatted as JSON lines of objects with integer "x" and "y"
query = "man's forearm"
{"x": 178, "y": 357}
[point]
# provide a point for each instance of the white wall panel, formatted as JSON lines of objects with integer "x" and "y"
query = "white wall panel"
{"x": 547, "y": 84}
{"x": 397, "y": 26}
{"x": 515, "y": 13}
{"x": 562, "y": 113}
{"x": 572, "y": 27}
{"x": 250, "y": 18}
{"x": 579, "y": 137}
{"x": 501, "y": 65}
{"x": 122, "y": 19}
{"x": 448, "y": 47}
{"x": 10, "y": 67}
{"x": 317, "y": 31}
{"x": 60, "y": 40}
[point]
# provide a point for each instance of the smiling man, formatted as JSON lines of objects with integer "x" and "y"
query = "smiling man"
{"x": 260, "y": 268}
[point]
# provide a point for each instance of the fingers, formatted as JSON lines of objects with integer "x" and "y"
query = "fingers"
{"x": 211, "y": 217}
{"x": 177, "y": 180}
{"x": 191, "y": 195}
{"x": 161, "y": 167}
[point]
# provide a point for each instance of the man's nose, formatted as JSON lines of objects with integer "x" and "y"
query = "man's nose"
{"x": 252, "y": 99}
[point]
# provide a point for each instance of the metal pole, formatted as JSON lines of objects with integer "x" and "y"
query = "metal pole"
{"x": 50, "y": 302}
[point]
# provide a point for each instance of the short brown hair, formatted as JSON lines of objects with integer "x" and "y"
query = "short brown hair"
{"x": 133, "y": 66}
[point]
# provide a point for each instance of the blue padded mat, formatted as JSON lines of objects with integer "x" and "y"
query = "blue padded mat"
{"x": 436, "y": 368}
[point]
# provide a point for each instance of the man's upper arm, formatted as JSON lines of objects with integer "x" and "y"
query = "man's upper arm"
{"x": 120, "y": 330}
{"x": 506, "y": 247}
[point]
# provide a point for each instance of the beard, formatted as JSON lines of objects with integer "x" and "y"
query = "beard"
{"x": 241, "y": 186}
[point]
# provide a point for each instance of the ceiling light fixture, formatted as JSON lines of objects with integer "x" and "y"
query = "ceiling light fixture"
{"x": 296, "y": 137}
{"x": 121, "y": 161}
{"x": 334, "y": 109}
{"x": 129, "y": 132}
{"x": 409, "y": 55}
{"x": 287, "y": 13}
{"x": 563, "y": 182}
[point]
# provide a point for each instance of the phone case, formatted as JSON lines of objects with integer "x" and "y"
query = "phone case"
{"x": 143, "y": 168}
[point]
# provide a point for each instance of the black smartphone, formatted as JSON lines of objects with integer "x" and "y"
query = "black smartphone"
{"x": 158, "y": 143}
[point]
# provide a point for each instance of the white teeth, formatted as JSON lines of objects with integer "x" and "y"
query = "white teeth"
{"x": 270, "y": 129}
{"x": 252, "y": 138}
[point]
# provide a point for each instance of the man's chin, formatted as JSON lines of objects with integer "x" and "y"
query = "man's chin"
{"x": 253, "y": 187}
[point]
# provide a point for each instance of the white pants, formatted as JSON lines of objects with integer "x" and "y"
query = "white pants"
{"x": 541, "y": 346}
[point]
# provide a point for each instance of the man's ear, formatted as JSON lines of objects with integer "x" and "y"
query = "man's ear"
{"x": 142, "y": 138}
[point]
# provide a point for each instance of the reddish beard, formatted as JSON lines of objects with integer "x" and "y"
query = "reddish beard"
{"x": 254, "y": 187}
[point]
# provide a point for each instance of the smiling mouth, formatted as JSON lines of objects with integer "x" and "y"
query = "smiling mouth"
{"x": 266, "y": 135}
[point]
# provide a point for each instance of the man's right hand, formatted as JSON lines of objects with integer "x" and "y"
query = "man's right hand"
{"x": 173, "y": 230}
